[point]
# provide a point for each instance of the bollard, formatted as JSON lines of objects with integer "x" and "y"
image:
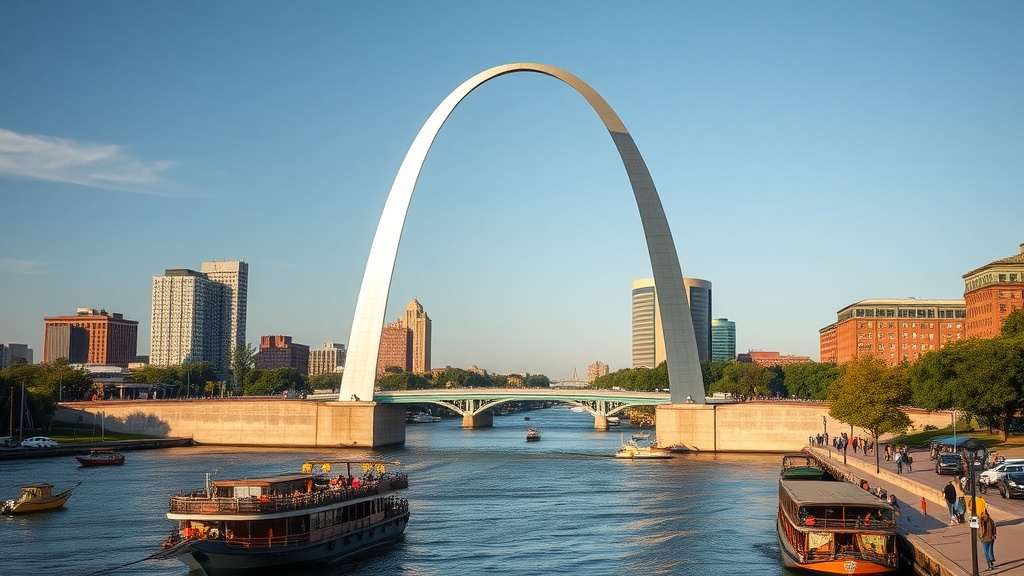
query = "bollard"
{"x": 924, "y": 509}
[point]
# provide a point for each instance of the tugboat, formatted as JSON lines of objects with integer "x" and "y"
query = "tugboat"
{"x": 276, "y": 524}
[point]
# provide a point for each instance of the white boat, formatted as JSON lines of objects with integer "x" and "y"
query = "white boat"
{"x": 640, "y": 449}
{"x": 532, "y": 435}
{"x": 276, "y": 524}
{"x": 613, "y": 420}
{"x": 423, "y": 418}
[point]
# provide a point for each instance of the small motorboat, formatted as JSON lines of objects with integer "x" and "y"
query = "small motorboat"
{"x": 36, "y": 497}
{"x": 532, "y": 435}
{"x": 101, "y": 457}
{"x": 638, "y": 448}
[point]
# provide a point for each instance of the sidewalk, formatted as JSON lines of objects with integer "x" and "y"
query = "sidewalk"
{"x": 941, "y": 548}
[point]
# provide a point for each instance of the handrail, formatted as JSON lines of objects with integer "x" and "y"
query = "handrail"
{"x": 283, "y": 503}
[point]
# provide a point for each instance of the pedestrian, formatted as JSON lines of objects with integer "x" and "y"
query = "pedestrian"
{"x": 949, "y": 495}
{"x": 899, "y": 462}
{"x": 895, "y": 505}
{"x": 910, "y": 461}
{"x": 988, "y": 537}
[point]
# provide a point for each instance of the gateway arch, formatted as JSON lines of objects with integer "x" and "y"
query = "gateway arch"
{"x": 684, "y": 373}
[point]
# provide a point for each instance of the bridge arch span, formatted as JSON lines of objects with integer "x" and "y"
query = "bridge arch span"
{"x": 685, "y": 378}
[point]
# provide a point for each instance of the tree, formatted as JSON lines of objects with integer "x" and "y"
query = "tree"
{"x": 1013, "y": 325}
{"x": 870, "y": 394}
{"x": 744, "y": 379}
{"x": 276, "y": 381}
{"x": 810, "y": 380}
{"x": 713, "y": 371}
{"x": 243, "y": 362}
{"x": 537, "y": 381}
{"x": 326, "y": 381}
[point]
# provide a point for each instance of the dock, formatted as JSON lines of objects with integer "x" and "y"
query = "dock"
{"x": 84, "y": 447}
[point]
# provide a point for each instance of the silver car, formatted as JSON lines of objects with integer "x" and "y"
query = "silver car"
{"x": 993, "y": 475}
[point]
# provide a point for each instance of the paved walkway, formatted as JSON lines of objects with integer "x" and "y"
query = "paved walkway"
{"x": 948, "y": 546}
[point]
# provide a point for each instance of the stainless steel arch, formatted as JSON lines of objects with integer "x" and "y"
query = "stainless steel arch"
{"x": 685, "y": 378}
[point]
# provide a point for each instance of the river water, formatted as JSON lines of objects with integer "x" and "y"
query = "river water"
{"x": 483, "y": 502}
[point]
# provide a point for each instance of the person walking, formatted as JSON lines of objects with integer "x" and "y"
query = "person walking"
{"x": 899, "y": 462}
{"x": 949, "y": 495}
{"x": 988, "y": 537}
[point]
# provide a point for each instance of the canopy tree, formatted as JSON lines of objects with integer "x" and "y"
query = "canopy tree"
{"x": 869, "y": 394}
{"x": 744, "y": 379}
{"x": 811, "y": 380}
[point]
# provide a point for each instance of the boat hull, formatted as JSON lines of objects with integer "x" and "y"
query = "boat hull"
{"x": 87, "y": 462}
{"x": 791, "y": 559}
{"x": 32, "y": 507}
{"x": 217, "y": 558}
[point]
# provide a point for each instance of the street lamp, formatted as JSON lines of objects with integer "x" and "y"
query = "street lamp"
{"x": 974, "y": 451}
{"x": 824, "y": 422}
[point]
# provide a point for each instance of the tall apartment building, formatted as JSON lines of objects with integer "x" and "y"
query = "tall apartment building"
{"x": 91, "y": 337}
{"x": 893, "y": 330}
{"x": 595, "y": 371}
{"x": 197, "y": 318}
{"x": 235, "y": 275}
{"x": 417, "y": 322}
{"x": 280, "y": 352}
{"x": 395, "y": 348}
{"x": 327, "y": 360}
{"x": 991, "y": 293}
{"x": 723, "y": 339}
{"x": 648, "y": 335}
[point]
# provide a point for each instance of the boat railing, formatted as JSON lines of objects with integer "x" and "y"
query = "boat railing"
{"x": 397, "y": 509}
{"x": 847, "y": 523}
{"x": 284, "y": 503}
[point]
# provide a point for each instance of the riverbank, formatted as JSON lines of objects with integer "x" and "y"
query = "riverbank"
{"x": 85, "y": 447}
{"x": 936, "y": 547}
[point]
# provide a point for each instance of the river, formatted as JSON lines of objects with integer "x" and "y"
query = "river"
{"x": 483, "y": 501}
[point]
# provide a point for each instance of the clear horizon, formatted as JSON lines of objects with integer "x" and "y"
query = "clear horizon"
{"x": 808, "y": 155}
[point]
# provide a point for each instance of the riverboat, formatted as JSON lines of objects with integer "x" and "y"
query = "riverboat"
{"x": 801, "y": 466}
{"x": 37, "y": 497}
{"x": 276, "y": 524}
{"x": 424, "y": 418}
{"x": 101, "y": 457}
{"x": 834, "y": 527}
{"x": 532, "y": 435}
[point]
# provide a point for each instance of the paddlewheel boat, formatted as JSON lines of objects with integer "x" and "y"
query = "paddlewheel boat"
{"x": 36, "y": 497}
{"x": 100, "y": 457}
{"x": 835, "y": 527}
{"x": 278, "y": 523}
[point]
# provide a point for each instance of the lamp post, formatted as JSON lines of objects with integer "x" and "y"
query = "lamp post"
{"x": 974, "y": 451}
{"x": 824, "y": 422}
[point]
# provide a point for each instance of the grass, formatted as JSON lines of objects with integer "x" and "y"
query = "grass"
{"x": 989, "y": 440}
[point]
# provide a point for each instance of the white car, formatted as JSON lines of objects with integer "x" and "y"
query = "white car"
{"x": 993, "y": 474}
{"x": 38, "y": 442}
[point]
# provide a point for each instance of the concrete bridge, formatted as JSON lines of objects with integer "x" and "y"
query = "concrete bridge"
{"x": 476, "y": 404}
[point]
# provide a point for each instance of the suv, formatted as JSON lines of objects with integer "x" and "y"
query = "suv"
{"x": 993, "y": 475}
{"x": 38, "y": 442}
{"x": 949, "y": 463}
{"x": 1011, "y": 485}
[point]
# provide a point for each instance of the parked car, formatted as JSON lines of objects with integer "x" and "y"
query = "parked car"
{"x": 949, "y": 463}
{"x": 1011, "y": 485}
{"x": 993, "y": 475}
{"x": 38, "y": 442}
{"x": 8, "y": 442}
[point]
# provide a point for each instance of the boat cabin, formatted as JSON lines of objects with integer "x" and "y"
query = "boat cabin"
{"x": 281, "y": 485}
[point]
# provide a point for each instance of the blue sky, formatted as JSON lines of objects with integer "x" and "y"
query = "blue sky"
{"x": 808, "y": 154}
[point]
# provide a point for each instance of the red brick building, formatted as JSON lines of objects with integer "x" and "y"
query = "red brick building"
{"x": 112, "y": 340}
{"x": 769, "y": 359}
{"x": 991, "y": 293}
{"x": 281, "y": 352}
{"x": 892, "y": 330}
{"x": 395, "y": 348}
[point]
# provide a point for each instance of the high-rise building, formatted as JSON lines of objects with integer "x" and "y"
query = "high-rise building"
{"x": 648, "y": 336}
{"x": 280, "y": 352}
{"x": 417, "y": 322}
{"x": 327, "y": 360}
{"x": 197, "y": 318}
{"x": 395, "y": 348}
{"x": 723, "y": 339}
{"x": 11, "y": 354}
{"x": 893, "y": 330}
{"x": 235, "y": 275}
{"x": 595, "y": 371}
{"x": 992, "y": 293}
{"x": 91, "y": 337}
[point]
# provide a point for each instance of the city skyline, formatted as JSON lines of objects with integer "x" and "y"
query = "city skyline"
{"x": 808, "y": 156}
